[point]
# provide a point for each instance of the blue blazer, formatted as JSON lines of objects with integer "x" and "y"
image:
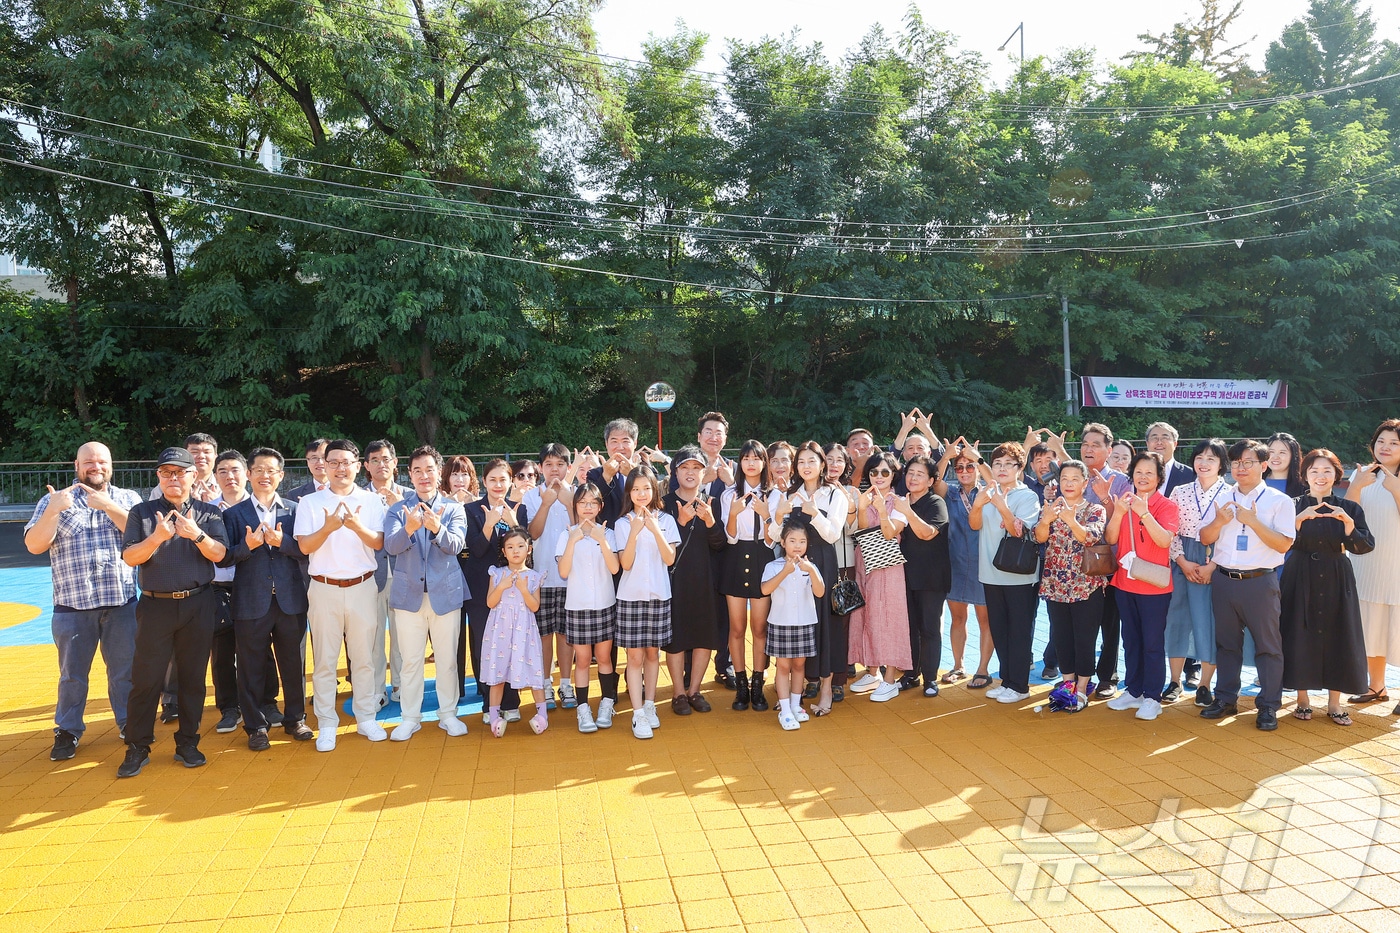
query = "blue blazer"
{"x": 430, "y": 569}
{"x": 258, "y": 572}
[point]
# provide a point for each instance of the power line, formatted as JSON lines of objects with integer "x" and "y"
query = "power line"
{"x": 927, "y": 227}
{"x": 564, "y": 267}
{"x": 699, "y": 234}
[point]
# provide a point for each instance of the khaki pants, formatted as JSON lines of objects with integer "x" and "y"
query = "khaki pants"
{"x": 415, "y": 628}
{"x": 384, "y": 618}
{"x": 336, "y": 613}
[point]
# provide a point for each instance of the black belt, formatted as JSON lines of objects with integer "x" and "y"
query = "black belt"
{"x": 227, "y": 587}
{"x": 1245, "y": 574}
{"x": 178, "y": 594}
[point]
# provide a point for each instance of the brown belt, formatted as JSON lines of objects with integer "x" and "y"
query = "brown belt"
{"x": 329, "y": 581}
{"x": 1245, "y": 574}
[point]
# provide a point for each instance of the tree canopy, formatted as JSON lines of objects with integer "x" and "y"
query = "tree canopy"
{"x": 460, "y": 224}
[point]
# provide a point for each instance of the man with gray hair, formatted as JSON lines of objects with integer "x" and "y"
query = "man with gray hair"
{"x": 1161, "y": 440}
{"x": 620, "y": 444}
{"x": 94, "y": 591}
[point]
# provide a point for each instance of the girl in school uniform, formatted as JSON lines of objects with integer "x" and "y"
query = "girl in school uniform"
{"x": 647, "y": 537}
{"x": 746, "y": 509}
{"x": 587, "y": 560}
{"x": 815, "y": 503}
{"x": 795, "y": 584}
{"x": 511, "y": 646}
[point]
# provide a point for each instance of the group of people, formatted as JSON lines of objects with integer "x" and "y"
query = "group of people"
{"x": 832, "y": 564}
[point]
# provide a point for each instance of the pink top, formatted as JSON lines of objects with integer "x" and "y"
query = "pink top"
{"x": 1132, "y": 535}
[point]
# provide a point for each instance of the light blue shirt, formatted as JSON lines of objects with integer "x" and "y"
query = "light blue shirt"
{"x": 1025, "y": 505}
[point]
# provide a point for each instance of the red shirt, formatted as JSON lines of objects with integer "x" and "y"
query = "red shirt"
{"x": 1132, "y": 535}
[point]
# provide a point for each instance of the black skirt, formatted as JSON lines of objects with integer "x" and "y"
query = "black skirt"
{"x": 742, "y": 575}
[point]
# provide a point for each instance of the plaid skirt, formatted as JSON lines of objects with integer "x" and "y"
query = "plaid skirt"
{"x": 550, "y": 616}
{"x": 791, "y": 641}
{"x": 590, "y": 626}
{"x": 643, "y": 624}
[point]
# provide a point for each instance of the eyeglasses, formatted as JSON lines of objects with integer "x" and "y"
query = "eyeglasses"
{"x": 340, "y": 464}
{"x": 883, "y": 471}
{"x": 171, "y": 474}
{"x": 381, "y": 461}
{"x": 1245, "y": 464}
{"x": 264, "y": 471}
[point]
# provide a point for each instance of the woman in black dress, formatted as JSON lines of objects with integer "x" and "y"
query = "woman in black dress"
{"x": 816, "y": 503}
{"x": 1321, "y": 618}
{"x": 487, "y": 519}
{"x": 694, "y": 595}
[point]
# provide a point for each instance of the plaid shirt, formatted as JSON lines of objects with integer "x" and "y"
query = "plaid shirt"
{"x": 88, "y": 570}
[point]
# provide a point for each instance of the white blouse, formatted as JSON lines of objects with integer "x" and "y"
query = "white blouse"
{"x": 589, "y": 584}
{"x": 793, "y": 602}
{"x": 649, "y": 577}
{"x": 828, "y": 499}
{"x": 1191, "y": 505}
{"x": 744, "y": 525}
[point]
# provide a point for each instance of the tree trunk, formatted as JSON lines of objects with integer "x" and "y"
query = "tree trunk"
{"x": 427, "y": 424}
{"x": 80, "y": 400}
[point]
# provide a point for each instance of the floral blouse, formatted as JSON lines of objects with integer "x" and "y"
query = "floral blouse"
{"x": 1191, "y": 504}
{"x": 1061, "y": 580}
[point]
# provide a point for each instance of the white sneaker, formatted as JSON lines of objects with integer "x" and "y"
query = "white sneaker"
{"x": 787, "y": 720}
{"x": 452, "y": 725}
{"x": 403, "y": 730}
{"x": 994, "y": 693}
{"x": 649, "y": 708}
{"x": 325, "y": 740}
{"x": 1150, "y": 709}
{"x": 394, "y": 694}
{"x": 1124, "y": 700}
{"x": 640, "y": 727}
{"x": 550, "y": 701}
{"x": 605, "y": 712}
{"x": 884, "y": 693}
{"x": 1012, "y": 696}
{"x": 371, "y": 730}
{"x": 800, "y": 714}
{"x": 585, "y": 719}
{"x": 511, "y": 715}
{"x": 865, "y": 684}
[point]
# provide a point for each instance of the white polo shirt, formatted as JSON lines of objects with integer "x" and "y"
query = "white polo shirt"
{"x": 649, "y": 577}
{"x": 555, "y": 522}
{"x": 343, "y": 556}
{"x": 793, "y": 602}
{"x": 590, "y": 585}
{"x": 1239, "y": 547}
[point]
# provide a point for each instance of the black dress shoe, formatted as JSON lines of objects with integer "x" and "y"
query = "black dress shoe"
{"x": 257, "y": 742}
{"x": 189, "y": 756}
{"x": 1266, "y": 720}
{"x": 300, "y": 731}
{"x": 137, "y": 757}
{"x": 1219, "y": 709}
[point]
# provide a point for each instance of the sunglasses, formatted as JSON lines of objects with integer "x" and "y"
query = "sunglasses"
{"x": 883, "y": 471}
{"x": 968, "y": 468}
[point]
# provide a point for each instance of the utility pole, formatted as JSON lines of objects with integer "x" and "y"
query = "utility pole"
{"x": 1069, "y": 376}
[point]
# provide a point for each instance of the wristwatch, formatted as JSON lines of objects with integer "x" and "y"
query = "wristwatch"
{"x": 201, "y": 537}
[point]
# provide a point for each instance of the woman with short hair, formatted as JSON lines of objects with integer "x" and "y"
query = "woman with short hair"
{"x": 1190, "y": 619}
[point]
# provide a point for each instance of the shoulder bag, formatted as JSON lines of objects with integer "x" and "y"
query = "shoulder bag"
{"x": 878, "y": 551}
{"x": 1017, "y": 554}
{"x": 846, "y": 597}
{"x": 1144, "y": 571}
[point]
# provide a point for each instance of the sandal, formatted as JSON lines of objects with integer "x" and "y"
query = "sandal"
{"x": 1342, "y": 719}
{"x": 980, "y": 681}
{"x": 838, "y": 694}
{"x": 1371, "y": 696}
{"x": 1304, "y": 713}
{"x": 820, "y": 710}
{"x": 955, "y": 675}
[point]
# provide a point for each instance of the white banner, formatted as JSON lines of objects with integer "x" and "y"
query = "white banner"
{"x": 1114, "y": 392}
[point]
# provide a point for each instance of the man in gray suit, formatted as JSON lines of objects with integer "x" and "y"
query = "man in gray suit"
{"x": 424, "y": 533}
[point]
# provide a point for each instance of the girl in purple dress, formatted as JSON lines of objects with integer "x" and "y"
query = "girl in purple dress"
{"x": 511, "y": 651}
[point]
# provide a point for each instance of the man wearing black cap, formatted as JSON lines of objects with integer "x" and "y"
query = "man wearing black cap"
{"x": 174, "y": 541}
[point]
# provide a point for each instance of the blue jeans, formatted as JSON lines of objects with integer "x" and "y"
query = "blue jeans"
{"x": 77, "y": 635}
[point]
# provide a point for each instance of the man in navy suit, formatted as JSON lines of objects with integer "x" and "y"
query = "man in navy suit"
{"x": 316, "y": 463}
{"x": 1161, "y": 440}
{"x": 268, "y": 601}
{"x": 424, "y": 532}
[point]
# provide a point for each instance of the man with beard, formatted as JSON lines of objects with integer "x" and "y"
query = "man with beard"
{"x": 94, "y": 591}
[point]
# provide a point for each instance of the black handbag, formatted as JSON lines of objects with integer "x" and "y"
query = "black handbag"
{"x": 846, "y": 597}
{"x": 1017, "y": 554}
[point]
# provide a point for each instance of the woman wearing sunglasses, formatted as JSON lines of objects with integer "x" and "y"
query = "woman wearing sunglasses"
{"x": 966, "y": 593}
